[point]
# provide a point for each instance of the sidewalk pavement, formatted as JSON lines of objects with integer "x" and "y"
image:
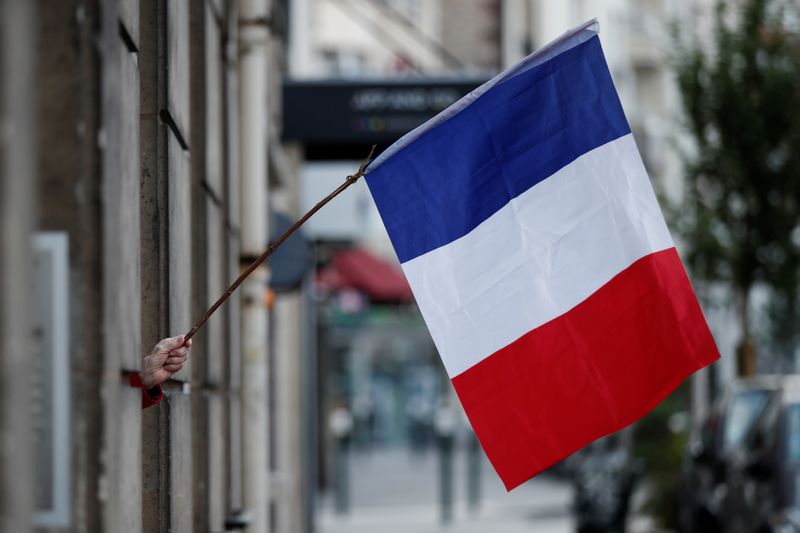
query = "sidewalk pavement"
{"x": 395, "y": 492}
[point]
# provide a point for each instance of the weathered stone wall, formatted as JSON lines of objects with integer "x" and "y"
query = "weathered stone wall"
{"x": 71, "y": 200}
{"x": 470, "y": 32}
{"x": 213, "y": 255}
{"x": 129, "y": 145}
{"x": 120, "y": 452}
{"x": 129, "y": 88}
{"x": 17, "y": 188}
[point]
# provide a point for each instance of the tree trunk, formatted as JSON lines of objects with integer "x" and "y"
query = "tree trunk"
{"x": 746, "y": 351}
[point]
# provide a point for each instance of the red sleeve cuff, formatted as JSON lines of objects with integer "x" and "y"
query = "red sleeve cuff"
{"x": 149, "y": 397}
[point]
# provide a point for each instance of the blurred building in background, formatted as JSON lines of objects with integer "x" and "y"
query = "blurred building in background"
{"x": 390, "y": 38}
{"x": 17, "y": 189}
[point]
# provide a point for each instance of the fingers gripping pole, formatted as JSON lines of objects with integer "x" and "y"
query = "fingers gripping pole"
{"x": 274, "y": 246}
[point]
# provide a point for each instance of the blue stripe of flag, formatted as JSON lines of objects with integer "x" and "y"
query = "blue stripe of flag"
{"x": 454, "y": 176}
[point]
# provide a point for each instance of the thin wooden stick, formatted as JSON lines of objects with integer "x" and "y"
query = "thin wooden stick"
{"x": 274, "y": 246}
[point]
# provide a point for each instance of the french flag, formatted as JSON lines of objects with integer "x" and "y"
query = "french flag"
{"x": 529, "y": 232}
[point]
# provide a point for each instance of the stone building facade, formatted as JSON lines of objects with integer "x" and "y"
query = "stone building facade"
{"x": 122, "y": 161}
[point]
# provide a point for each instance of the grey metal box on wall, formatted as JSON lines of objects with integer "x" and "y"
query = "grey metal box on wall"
{"x": 51, "y": 379}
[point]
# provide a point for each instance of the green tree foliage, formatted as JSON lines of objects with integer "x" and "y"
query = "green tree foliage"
{"x": 741, "y": 215}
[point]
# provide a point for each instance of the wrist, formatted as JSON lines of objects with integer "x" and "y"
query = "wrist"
{"x": 148, "y": 380}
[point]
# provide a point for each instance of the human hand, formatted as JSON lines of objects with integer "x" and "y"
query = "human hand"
{"x": 166, "y": 359}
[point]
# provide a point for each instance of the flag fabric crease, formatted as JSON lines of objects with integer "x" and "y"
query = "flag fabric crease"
{"x": 533, "y": 242}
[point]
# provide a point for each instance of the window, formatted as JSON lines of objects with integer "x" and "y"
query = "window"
{"x": 743, "y": 412}
{"x": 793, "y": 433}
{"x": 766, "y": 433}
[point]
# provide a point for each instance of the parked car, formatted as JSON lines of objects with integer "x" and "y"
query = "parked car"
{"x": 706, "y": 463}
{"x": 763, "y": 493}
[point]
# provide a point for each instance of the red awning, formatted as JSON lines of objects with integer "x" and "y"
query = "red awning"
{"x": 358, "y": 269}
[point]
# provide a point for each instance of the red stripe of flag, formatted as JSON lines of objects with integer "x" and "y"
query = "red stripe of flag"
{"x": 594, "y": 370}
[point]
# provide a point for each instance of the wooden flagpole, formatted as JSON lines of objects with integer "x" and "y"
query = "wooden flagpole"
{"x": 274, "y": 246}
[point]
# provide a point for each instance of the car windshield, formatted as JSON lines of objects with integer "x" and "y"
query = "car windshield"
{"x": 744, "y": 409}
{"x": 793, "y": 433}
